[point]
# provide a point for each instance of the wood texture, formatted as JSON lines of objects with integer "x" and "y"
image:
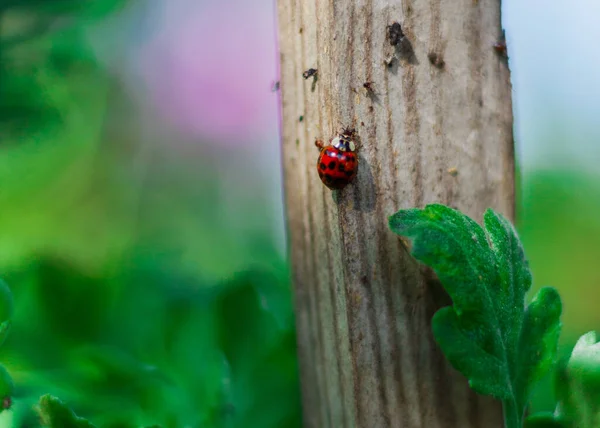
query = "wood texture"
{"x": 437, "y": 129}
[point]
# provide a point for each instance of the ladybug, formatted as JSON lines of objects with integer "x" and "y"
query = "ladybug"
{"x": 338, "y": 163}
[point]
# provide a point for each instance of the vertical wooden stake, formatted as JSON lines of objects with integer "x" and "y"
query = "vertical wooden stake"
{"x": 438, "y": 128}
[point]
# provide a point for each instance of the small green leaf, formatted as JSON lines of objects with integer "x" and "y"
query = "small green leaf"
{"x": 578, "y": 384}
{"x": 55, "y": 414}
{"x": 538, "y": 341}
{"x": 544, "y": 420}
{"x": 501, "y": 346}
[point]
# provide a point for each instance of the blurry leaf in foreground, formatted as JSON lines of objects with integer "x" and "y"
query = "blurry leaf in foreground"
{"x": 54, "y": 414}
{"x": 544, "y": 420}
{"x": 243, "y": 324}
{"x": 263, "y": 379}
{"x": 578, "y": 384}
{"x": 66, "y": 294}
{"x": 501, "y": 346}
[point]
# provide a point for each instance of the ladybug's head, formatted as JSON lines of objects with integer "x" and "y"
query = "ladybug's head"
{"x": 344, "y": 143}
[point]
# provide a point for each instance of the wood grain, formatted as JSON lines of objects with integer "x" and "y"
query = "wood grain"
{"x": 437, "y": 129}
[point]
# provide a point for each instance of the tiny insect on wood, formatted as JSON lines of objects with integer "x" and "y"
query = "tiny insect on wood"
{"x": 311, "y": 72}
{"x": 395, "y": 33}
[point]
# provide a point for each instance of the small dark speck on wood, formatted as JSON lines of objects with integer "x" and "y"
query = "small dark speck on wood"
{"x": 369, "y": 86}
{"x": 436, "y": 60}
{"x": 395, "y": 34}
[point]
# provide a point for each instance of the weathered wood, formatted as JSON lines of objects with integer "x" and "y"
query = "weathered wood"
{"x": 438, "y": 129}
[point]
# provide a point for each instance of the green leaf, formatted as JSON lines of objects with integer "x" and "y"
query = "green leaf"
{"x": 260, "y": 356}
{"x": 55, "y": 414}
{"x": 578, "y": 384}
{"x": 544, "y": 420}
{"x": 501, "y": 346}
{"x": 538, "y": 342}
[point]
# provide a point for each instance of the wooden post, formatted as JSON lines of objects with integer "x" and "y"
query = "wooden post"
{"x": 438, "y": 128}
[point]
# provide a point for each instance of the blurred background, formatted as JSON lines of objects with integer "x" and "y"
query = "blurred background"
{"x": 141, "y": 216}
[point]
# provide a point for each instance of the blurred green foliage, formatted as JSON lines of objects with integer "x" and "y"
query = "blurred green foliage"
{"x": 134, "y": 303}
{"x": 144, "y": 345}
{"x": 560, "y": 230}
{"x": 54, "y": 414}
{"x": 578, "y": 385}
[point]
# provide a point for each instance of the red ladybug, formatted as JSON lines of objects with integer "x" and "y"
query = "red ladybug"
{"x": 338, "y": 163}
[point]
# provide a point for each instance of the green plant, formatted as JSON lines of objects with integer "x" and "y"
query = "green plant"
{"x": 502, "y": 346}
{"x": 215, "y": 356}
{"x": 123, "y": 339}
{"x": 577, "y": 385}
{"x": 54, "y": 414}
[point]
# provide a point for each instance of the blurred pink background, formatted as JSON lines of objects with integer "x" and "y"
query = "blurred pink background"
{"x": 210, "y": 75}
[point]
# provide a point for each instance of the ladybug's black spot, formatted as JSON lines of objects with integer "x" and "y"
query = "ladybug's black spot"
{"x": 320, "y": 175}
{"x": 322, "y": 166}
{"x": 328, "y": 178}
{"x": 349, "y": 173}
{"x": 332, "y": 165}
{"x": 341, "y": 167}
